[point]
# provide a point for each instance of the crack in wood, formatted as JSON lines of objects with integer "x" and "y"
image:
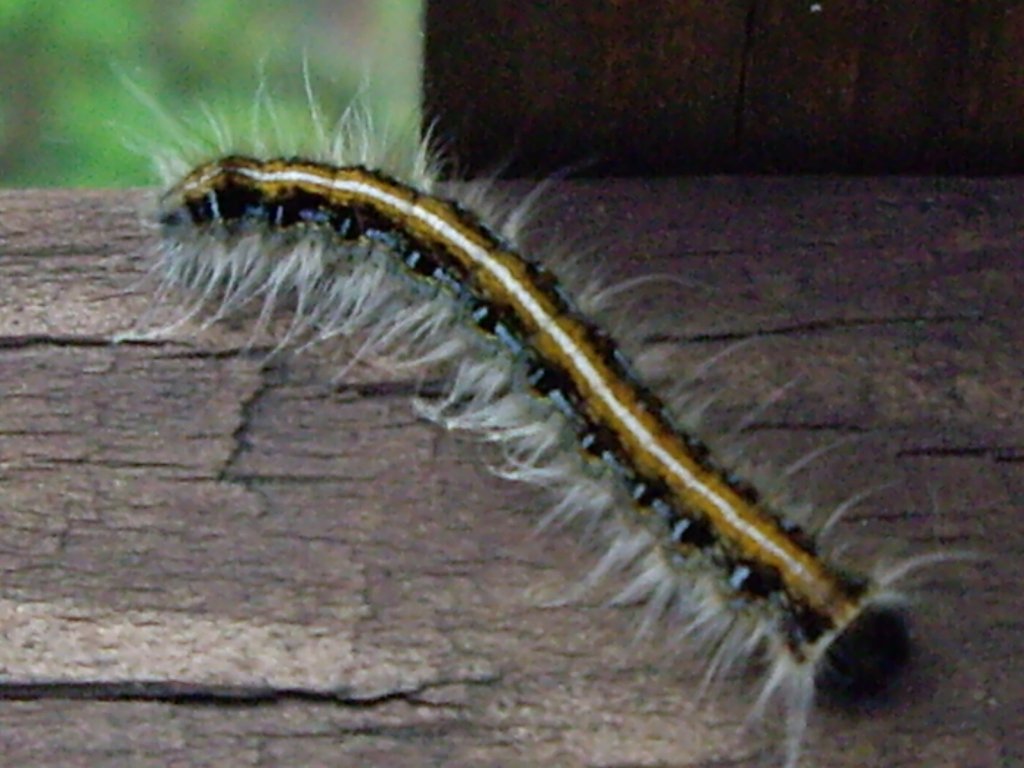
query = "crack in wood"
{"x": 429, "y": 389}
{"x": 200, "y": 694}
{"x": 269, "y": 377}
{"x": 746, "y": 56}
{"x": 816, "y": 326}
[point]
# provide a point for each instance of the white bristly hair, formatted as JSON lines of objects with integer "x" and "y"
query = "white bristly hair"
{"x": 361, "y": 292}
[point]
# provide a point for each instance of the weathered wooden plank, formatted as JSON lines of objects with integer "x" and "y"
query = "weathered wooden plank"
{"x": 211, "y": 557}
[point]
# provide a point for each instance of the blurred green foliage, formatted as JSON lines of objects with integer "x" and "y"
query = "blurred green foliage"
{"x": 68, "y": 114}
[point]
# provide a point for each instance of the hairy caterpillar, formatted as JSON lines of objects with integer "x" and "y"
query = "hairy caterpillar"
{"x": 420, "y": 279}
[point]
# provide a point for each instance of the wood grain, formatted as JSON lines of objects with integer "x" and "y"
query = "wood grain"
{"x": 669, "y": 86}
{"x": 212, "y": 557}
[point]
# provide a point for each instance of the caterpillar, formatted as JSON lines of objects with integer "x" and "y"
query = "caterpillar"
{"x": 359, "y": 243}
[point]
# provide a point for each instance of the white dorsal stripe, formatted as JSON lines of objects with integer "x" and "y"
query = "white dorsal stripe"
{"x": 628, "y": 420}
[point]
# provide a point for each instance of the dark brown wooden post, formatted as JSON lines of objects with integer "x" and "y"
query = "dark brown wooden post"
{"x": 670, "y": 86}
